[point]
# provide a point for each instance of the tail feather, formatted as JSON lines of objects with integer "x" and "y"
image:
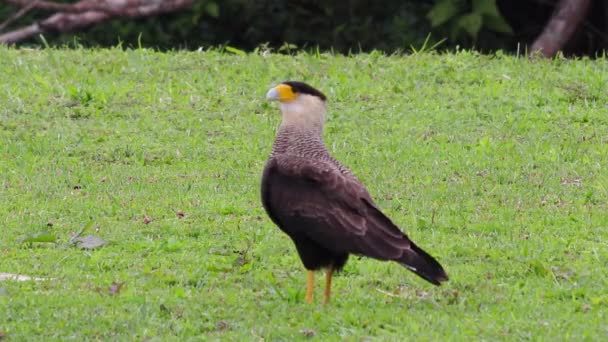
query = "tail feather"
{"x": 420, "y": 262}
{"x": 385, "y": 241}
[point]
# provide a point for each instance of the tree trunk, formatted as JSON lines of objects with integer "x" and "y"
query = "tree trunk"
{"x": 567, "y": 17}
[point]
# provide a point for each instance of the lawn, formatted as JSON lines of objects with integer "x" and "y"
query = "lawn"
{"x": 496, "y": 165}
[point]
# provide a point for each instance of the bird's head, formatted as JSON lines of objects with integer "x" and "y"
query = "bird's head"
{"x": 301, "y": 105}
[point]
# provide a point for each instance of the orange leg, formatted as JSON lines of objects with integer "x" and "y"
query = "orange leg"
{"x": 310, "y": 286}
{"x": 328, "y": 275}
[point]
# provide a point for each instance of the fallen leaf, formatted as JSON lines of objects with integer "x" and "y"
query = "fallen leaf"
{"x": 572, "y": 181}
{"x": 562, "y": 273}
{"x": 219, "y": 251}
{"x": 18, "y": 277}
{"x": 39, "y": 237}
{"x": 164, "y": 309}
{"x": 386, "y": 293}
{"x": 89, "y": 242}
{"x": 451, "y": 295}
{"x": 422, "y": 294}
{"x": 482, "y": 173}
{"x": 222, "y": 325}
{"x": 240, "y": 261}
{"x": 114, "y": 288}
{"x": 308, "y": 332}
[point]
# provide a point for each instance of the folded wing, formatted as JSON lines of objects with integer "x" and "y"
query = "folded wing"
{"x": 336, "y": 211}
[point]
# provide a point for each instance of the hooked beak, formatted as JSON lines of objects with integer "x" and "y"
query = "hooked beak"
{"x": 272, "y": 94}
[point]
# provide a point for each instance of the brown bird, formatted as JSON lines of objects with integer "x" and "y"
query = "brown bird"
{"x": 320, "y": 204}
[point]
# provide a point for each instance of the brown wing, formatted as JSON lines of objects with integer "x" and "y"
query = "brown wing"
{"x": 336, "y": 211}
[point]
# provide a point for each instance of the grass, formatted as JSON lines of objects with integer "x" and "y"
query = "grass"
{"x": 496, "y": 165}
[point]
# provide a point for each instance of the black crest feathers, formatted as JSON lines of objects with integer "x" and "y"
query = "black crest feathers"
{"x": 303, "y": 88}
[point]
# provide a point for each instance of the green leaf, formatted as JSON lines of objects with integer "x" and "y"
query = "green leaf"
{"x": 485, "y": 7}
{"x": 443, "y": 11}
{"x": 287, "y": 47}
{"x": 39, "y": 237}
{"x": 497, "y": 24}
{"x": 471, "y": 23}
{"x": 235, "y": 51}
{"x": 492, "y": 19}
{"x": 212, "y": 9}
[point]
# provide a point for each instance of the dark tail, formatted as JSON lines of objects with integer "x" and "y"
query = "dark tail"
{"x": 424, "y": 265}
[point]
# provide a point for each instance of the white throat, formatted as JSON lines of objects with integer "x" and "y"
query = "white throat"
{"x": 305, "y": 112}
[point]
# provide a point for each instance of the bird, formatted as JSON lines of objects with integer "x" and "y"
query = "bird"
{"x": 320, "y": 204}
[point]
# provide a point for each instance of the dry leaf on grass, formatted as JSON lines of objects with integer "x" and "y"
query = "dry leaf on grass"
{"x": 19, "y": 277}
{"x": 89, "y": 242}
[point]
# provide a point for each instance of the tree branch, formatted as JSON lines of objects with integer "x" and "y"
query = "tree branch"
{"x": 568, "y": 16}
{"x": 18, "y": 15}
{"x": 51, "y": 6}
{"x": 112, "y": 6}
{"x": 85, "y": 13}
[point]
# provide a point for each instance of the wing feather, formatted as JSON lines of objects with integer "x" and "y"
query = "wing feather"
{"x": 315, "y": 199}
{"x": 333, "y": 209}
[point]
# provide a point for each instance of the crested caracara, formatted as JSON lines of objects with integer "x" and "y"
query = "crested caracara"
{"x": 320, "y": 204}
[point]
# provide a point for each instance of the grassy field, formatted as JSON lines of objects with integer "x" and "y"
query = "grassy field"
{"x": 495, "y": 165}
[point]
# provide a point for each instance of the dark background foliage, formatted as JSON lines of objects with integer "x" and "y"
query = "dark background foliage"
{"x": 343, "y": 26}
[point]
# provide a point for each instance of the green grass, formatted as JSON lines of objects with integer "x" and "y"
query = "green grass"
{"x": 495, "y": 165}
